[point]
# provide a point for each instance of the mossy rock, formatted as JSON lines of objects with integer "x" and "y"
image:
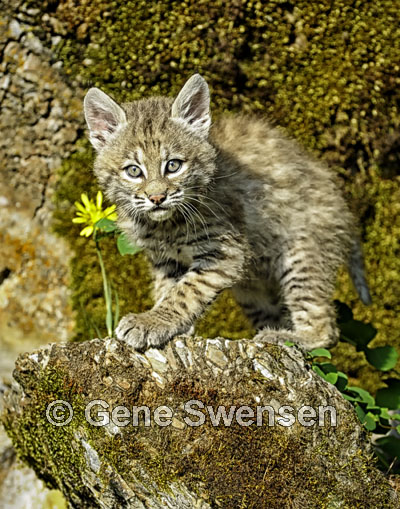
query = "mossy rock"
{"x": 329, "y": 74}
{"x": 237, "y": 464}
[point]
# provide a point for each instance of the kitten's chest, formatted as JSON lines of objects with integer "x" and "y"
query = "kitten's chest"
{"x": 182, "y": 254}
{"x": 161, "y": 249}
{"x": 163, "y": 244}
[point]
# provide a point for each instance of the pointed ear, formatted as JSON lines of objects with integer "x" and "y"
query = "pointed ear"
{"x": 192, "y": 106}
{"x": 103, "y": 116}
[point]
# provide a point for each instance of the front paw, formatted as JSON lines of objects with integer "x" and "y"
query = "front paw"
{"x": 143, "y": 331}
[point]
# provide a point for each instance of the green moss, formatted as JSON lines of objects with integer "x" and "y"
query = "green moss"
{"x": 212, "y": 461}
{"x": 43, "y": 446}
{"x": 326, "y": 73}
{"x": 216, "y": 461}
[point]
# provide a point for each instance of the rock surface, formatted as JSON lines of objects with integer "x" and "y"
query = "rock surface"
{"x": 41, "y": 113}
{"x": 19, "y": 486}
{"x": 101, "y": 459}
{"x": 40, "y": 120}
{"x": 34, "y": 305}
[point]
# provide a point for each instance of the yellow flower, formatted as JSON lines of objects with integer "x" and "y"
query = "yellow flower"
{"x": 90, "y": 212}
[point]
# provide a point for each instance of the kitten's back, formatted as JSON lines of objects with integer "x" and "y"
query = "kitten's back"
{"x": 301, "y": 188}
{"x": 299, "y": 191}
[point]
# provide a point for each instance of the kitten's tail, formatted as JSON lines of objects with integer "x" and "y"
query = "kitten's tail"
{"x": 357, "y": 272}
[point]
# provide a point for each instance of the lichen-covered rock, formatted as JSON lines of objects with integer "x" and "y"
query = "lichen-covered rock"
{"x": 40, "y": 120}
{"x": 34, "y": 296}
{"x": 19, "y": 485}
{"x": 328, "y": 73}
{"x": 169, "y": 461}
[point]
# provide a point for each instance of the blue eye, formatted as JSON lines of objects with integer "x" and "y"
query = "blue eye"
{"x": 133, "y": 171}
{"x": 173, "y": 165}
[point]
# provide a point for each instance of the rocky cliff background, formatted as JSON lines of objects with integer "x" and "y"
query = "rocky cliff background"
{"x": 40, "y": 118}
{"x": 327, "y": 72}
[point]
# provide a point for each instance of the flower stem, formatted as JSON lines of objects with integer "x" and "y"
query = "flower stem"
{"x": 107, "y": 293}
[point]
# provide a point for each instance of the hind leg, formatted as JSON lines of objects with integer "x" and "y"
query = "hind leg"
{"x": 307, "y": 280}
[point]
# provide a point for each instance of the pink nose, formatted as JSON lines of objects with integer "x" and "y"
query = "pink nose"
{"x": 157, "y": 198}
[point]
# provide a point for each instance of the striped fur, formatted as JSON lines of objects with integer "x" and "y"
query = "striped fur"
{"x": 251, "y": 212}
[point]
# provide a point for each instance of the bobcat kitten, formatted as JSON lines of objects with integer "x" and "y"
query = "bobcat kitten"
{"x": 233, "y": 205}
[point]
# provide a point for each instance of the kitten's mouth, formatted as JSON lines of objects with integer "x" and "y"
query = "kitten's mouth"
{"x": 160, "y": 213}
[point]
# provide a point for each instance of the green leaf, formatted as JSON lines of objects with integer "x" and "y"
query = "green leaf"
{"x": 374, "y": 408}
{"x": 344, "y": 313}
{"x": 360, "y": 412}
{"x": 370, "y": 421}
{"x": 350, "y": 398}
{"x": 382, "y": 458}
{"x": 318, "y": 370}
{"x": 358, "y": 333}
{"x": 289, "y": 343}
{"x": 342, "y": 381}
{"x": 398, "y": 428}
{"x": 390, "y": 445}
{"x": 362, "y": 395}
{"x": 320, "y": 352}
{"x": 384, "y": 414}
{"x": 328, "y": 367}
{"x": 394, "y": 417}
{"x": 382, "y": 357}
{"x": 106, "y": 225}
{"x": 125, "y": 247}
{"x": 389, "y": 397}
{"x": 330, "y": 377}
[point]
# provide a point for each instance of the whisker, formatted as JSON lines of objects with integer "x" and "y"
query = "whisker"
{"x": 209, "y": 208}
{"x": 189, "y": 211}
{"x": 201, "y": 217}
{"x": 184, "y": 214}
{"x": 190, "y": 197}
{"x": 226, "y": 176}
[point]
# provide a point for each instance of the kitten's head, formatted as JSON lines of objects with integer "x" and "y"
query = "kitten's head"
{"x": 153, "y": 155}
